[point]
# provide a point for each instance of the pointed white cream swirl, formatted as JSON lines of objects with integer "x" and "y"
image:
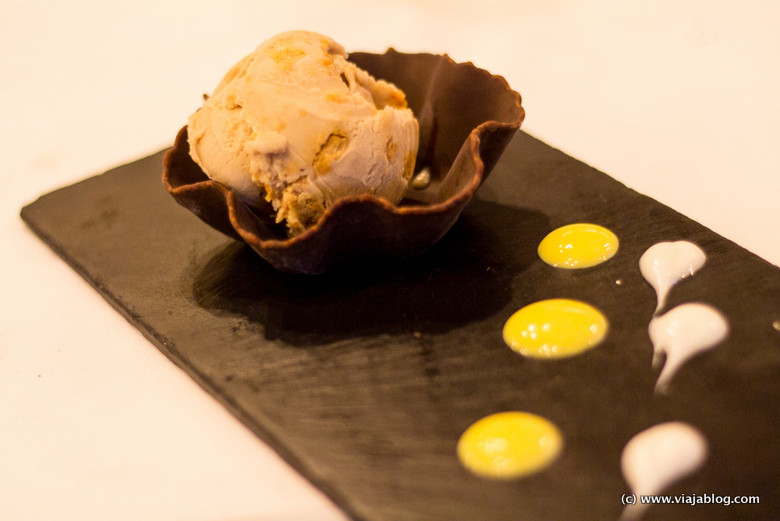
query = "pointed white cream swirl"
{"x": 658, "y": 457}
{"x": 682, "y": 333}
{"x": 666, "y": 263}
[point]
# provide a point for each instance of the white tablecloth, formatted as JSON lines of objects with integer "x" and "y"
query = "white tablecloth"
{"x": 677, "y": 99}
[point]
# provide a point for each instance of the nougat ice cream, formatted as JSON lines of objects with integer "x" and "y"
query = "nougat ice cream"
{"x": 299, "y": 125}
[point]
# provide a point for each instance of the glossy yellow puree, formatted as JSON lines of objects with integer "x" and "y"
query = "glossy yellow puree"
{"x": 555, "y": 328}
{"x": 509, "y": 445}
{"x": 576, "y": 246}
{"x": 514, "y": 444}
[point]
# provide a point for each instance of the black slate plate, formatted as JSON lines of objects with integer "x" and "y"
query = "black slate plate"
{"x": 365, "y": 377}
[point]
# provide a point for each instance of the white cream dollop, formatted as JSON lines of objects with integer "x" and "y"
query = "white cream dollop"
{"x": 666, "y": 263}
{"x": 657, "y": 457}
{"x": 683, "y": 332}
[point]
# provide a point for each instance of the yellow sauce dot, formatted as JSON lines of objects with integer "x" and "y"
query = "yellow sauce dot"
{"x": 576, "y": 246}
{"x": 509, "y": 445}
{"x": 555, "y": 328}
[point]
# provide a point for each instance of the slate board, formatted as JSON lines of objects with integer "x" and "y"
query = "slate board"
{"x": 365, "y": 377}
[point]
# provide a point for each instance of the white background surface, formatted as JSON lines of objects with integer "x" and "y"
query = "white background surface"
{"x": 677, "y": 99}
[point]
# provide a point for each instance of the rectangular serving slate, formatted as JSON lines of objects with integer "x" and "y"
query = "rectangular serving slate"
{"x": 365, "y": 377}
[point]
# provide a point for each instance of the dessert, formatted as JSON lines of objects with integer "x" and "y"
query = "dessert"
{"x": 466, "y": 118}
{"x": 296, "y": 123}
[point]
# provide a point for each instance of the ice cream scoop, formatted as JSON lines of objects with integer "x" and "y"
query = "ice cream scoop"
{"x": 467, "y": 117}
{"x": 297, "y": 124}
